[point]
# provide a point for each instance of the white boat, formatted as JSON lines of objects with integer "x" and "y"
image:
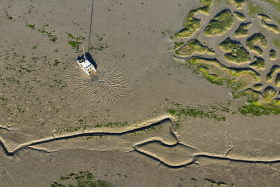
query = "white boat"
{"x": 85, "y": 64}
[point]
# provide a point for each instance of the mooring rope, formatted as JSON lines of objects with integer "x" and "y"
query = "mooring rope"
{"x": 90, "y": 25}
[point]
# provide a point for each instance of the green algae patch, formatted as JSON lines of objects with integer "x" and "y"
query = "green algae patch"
{"x": 31, "y": 26}
{"x": 52, "y": 37}
{"x": 242, "y": 30}
{"x": 210, "y": 112}
{"x": 220, "y": 24}
{"x": 112, "y": 125}
{"x": 259, "y": 63}
{"x": 193, "y": 112}
{"x": 193, "y": 46}
{"x": 251, "y": 43}
{"x": 272, "y": 54}
{"x": 75, "y": 42}
{"x": 237, "y": 53}
{"x": 239, "y": 16}
{"x": 81, "y": 179}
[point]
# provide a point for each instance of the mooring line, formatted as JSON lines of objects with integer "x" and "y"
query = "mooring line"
{"x": 90, "y": 24}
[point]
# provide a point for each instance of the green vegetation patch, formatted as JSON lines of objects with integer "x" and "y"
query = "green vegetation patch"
{"x": 272, "y": 73}
{"x": 264, "y": 17}
{"x": 207, "y": 2}
{"x": 242, "y": 29}
{"x": 238, "y": 54}
{"x": 238, "y": 3}
{"x": 193, "y": 46}
{"x": 271, "y": 27}
{"x": 257, "y": 109}
{"x": 251, "y": 42}
{"x": 240, "y": 16}
{"x": 269, "y": 93}
{"x": 277, "y": 80}
{"x": 258, "y": 86}
{"x": 235, "y": 79}
{"x": 191, "y": 24}
{"x": 272, "y": 54}
{"x": 213, "y": 78}
{"x": 254, "y": 8}
{"x": 81, "y": 179}
{"x": 220, "y": 24}
{"x": 276, "y": 42}
{"x": 259, "y": 63}
{"x": 178, "y": 45}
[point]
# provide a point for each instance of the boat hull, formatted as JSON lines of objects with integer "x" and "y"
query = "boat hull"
{"x": 86, "y": 66}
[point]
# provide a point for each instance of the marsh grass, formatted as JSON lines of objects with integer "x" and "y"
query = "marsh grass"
{"x": 238, "y": 3}
{"x": 238, "y": 54}
{"x": 272, "y": 73}
{"x": 252, "y": 41}
{"x": 258, "y": 86}
{"x": 271, "y": 27}
{"x": 220, "y": 24}
{"x": 272, "y": 54}
{"x": 178, "y": 45}
{"x": 277, "y": 80}
{"x": 193, "y": 46}
{"x": 192, "y": 24}
{"x": 242, "y": 29}
{"x": 259, "y": 63}
{"x": 240, "y": 16}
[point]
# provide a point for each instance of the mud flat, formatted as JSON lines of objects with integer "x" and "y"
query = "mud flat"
{"x": 186, "y": 93}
